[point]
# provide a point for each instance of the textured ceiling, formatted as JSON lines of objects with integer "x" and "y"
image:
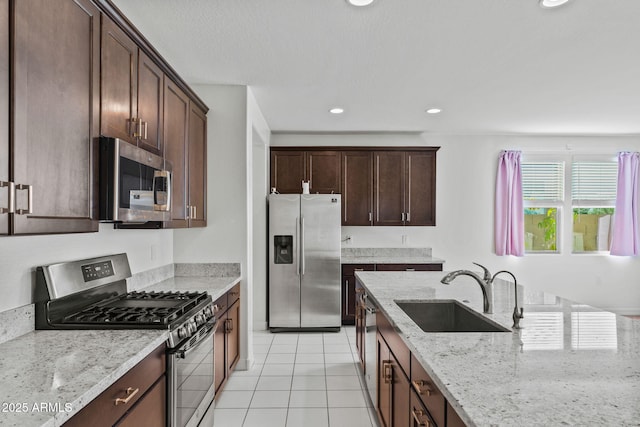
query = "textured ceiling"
{"x": 493, "y": 66}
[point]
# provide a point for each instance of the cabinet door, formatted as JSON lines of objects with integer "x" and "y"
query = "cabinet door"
{"x": 421, "y": 188}
{"x": 401, "y": 393}
{"x": 385, "y": 383}
{"x": 150, "y": 99}
{"x": 151, "y": 410}
{"x": 119, "y": 82}
{"x": 389, "y": 167}
{"x": 197, "y": 166}
{"x": 453, "y": 419}
{"x": 323, "y": 171}
{"x": 357, "y": 179}
{"x": 233, "y": 335}
{"x": 4, "y": 115}
{"x": 176, "y": 116}
{"x": 56, "y": 115}
{"x": 287, "y": 171}
{"x": 348, "y": 300}
{"x": 220, "y": 352}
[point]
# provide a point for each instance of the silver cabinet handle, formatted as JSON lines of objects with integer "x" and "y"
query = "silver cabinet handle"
{"x": 402, "y": 216}
{"x": 29, "y": 189}
{"x": 370, "y": 217}
{"x": 188, "y": 213}
{"x": 408, "y": 216}
{"x": 195, "y": 212}
{"x": 146, "y": 125}
{"x": 11, "y": 191}
{"x": 346, "y": 296}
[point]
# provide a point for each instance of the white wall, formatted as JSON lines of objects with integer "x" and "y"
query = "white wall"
{"x": 20, "y": 255}
{"x": 466, "y": 170}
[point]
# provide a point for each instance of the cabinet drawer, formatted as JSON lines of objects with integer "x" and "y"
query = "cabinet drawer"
{"x": 428, "y": 393}
{"x": 350, "y": 269}
{"x": 395, "y": 343}
{"x": 424, "y": 267}
{"x": 103, "y": 411}
{"x": 233, "y": 294}
{"x": 150, "y": 411}
{"x": 419, "y": 416}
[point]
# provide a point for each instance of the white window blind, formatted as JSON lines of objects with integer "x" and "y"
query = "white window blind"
{"x": 592, "y": 181}
{"x": 543, "y": 180}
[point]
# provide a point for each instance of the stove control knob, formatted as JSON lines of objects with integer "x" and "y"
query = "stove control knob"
{"x": 200, "y": 319}
{"x": 191, "y": 327}
{"x": 208, "y": 312}
{"x": 182, "y": 332}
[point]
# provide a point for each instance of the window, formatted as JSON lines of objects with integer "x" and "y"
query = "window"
{"x": 593, "y": 198}
{"x": 543, "y": 193}
{"x": 581, "y": 200}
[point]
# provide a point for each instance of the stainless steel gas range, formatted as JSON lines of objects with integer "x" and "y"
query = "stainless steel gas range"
{"x": 92, "y": 294}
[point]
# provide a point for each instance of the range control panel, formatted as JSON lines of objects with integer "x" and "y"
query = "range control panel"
{"x": 98, "y": 270}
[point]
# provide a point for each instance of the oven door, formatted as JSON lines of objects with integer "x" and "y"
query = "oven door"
{"x": 191, "y": 381}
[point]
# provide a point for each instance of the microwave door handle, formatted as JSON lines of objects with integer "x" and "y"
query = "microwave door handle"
{"x": 166, "y": 175}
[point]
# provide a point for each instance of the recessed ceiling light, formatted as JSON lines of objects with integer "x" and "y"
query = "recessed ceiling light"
{"x": 552, "y": 3}
{"x": 433, "y": 110}
{"x": 360, "y": 2}
{"x": 336, "y": 110}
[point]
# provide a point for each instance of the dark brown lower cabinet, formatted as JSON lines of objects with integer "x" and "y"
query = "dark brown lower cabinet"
{"x": 393, "y": 388}
{"x": 419, "y": 414}
{"x": 226, "y": 338}
{"x": 140, "y": 394}
{"x": 453, "y": 419}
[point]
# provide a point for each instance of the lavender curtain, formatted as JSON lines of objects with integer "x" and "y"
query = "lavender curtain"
{"x": 509, "y": 214}
{"x": 625, "y": 239}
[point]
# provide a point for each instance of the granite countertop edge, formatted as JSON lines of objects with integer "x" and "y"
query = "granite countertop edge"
{"x": 389, "y": 260}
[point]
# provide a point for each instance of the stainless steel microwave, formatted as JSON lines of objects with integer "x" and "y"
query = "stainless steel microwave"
{"x": 135, "y": 185}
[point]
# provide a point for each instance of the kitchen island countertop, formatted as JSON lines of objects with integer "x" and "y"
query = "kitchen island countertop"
{"x": 571, "y": 364}
{"x": 48, "y": 376}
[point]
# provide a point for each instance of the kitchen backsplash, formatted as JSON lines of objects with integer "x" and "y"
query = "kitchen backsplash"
{"x": 17, "y": 321}
{"x": 203, "y": 270}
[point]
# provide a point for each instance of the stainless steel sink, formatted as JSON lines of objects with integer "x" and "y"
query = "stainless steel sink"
{"x": 448, "y": 316}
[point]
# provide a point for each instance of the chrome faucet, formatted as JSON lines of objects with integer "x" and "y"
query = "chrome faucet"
{"x": 517, "y": 314}
{"x": 486, "y": 284}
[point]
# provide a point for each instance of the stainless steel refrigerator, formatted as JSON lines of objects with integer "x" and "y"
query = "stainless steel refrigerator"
{"x": 304, "y": 261}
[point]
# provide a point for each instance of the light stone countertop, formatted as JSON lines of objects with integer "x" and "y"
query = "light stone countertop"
{"x": 66, "y": 370}
{"x": 571, "y": 364}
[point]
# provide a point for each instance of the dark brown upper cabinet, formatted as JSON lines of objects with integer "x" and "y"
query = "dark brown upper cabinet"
{"x": 197, "y": 166}
{"x": 357, "y": 188}
{"x": 321, "y": 168}
{"x": 322, "y": 171}
{"x": 150, "y": 104}
{"x": 287, "y": 171}
{"x": 404, "y": 187}
{"x": 56, "y": 83}
{"x": 119, "y": 83}
{"x": 185, "y": 130}
{"x": 132, "y": 91}
{"x": 385, "y": 186}
{"x": 388, "y": 187}
{"x": 176, "y": 121}
{"x": 4, "y": 117}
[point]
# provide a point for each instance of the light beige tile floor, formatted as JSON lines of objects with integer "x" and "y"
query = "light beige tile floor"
{"x": 298, "y": 380}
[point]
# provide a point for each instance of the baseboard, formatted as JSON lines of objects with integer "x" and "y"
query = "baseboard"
{"x": 260, "y": 326}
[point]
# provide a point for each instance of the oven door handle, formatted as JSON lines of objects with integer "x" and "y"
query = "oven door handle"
{"x": 182, "y": 354}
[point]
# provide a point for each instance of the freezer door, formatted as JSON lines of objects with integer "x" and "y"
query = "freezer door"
{"x": 284, "y": 273}
{"x": 320, "y": 260}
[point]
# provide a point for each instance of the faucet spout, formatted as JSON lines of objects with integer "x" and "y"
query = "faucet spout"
{"x": 518, "y": 313}
{"x": 485, "y": 286}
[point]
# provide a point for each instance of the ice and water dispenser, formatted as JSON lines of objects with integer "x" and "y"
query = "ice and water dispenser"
{"x": 283, "y": 249}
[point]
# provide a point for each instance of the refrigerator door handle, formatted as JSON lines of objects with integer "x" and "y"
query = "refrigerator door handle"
{"x": 295, "y": 242}
{"x": 302, "y": 244}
